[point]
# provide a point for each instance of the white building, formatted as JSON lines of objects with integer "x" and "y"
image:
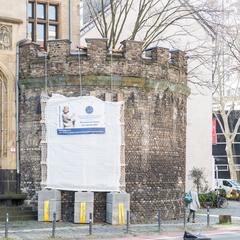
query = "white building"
{"x": 226, "y": 98}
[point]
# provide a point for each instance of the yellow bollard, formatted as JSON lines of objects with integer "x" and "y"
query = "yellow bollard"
{"x": 82, "y": 212}
{"x": 121, "y": 215}
{"x": 46, "y": 211}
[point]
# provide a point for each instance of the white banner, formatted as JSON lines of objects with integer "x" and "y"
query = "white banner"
{"x": 83, "y": 143}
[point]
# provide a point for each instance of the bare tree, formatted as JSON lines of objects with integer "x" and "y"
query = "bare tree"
{"x": 158, "y": 23}
{"x": 226, "y": 77}
{"x": 148, "y": 18}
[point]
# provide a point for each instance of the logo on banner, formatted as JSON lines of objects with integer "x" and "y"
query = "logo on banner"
{"x": 89, "y": 109}
{"x": 81, "y": 118}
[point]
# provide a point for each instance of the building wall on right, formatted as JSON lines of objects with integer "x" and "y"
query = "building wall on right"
{"x": 227, "y": 93}
{"x": 219, "y": 149}
{"x": 198, "y": 152}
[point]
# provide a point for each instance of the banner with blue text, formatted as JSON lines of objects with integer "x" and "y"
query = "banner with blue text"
{"x": 84, "y": 138}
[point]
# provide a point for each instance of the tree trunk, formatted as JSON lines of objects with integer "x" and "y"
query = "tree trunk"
{"x": 231, "y": 163}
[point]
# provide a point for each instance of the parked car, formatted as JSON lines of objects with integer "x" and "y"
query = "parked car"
{"x": 236, "y": 183}
{"x": 228, "y": 185}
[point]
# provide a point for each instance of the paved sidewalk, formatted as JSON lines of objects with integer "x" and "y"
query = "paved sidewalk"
{"x": 106, "y": 232}
{"x": 232, "y": 209}
{"x": 31, "y": 230}
{"x": 40, "y": 231}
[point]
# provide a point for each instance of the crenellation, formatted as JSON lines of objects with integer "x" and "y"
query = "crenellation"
{"x": 58, "y": 50}
{"x": 97, "y": 48}
{"x": 159, "y": 54}
{"x": 97, "y": 59}
{"x": 132, "y": 50}
{"x": 178, "y": 58}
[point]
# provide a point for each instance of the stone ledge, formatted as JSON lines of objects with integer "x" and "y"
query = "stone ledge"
{"x": 13, "y": 196}
{"x": 104, "y": 80}
{"x": 11, "y": 20}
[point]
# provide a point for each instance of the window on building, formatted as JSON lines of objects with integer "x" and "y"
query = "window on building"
{"x": 52, "y": 32}
{"x": 52, "y": 12}
{"x": 41, "y": 33}
{"x": 3, "y": 117}
{"x": 42, "y": 21}
{"x": 221, "y": 138}
{"x": 30, "y": 10}
{"x": 41, "y": 13}
{"x": 30, "y": 31}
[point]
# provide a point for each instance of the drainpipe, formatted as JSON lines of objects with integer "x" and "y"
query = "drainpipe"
{"x": 17, "y": 115}
{"x": 26, "y": 19}
{"x": 70, "y": 20}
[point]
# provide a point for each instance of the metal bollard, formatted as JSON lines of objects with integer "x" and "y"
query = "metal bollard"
{"x": 90, "y": 224}
{"x": 128, "y": 221}
{"x": 6, "y": 225}
{"x": 159, "y": 221}
{"x": 54, "y": 225}
{"x": 184, "y": 218}
{"x": 208, "y": 217}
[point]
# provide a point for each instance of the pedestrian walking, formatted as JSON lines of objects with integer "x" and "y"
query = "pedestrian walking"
{"x": 193, "y": 205}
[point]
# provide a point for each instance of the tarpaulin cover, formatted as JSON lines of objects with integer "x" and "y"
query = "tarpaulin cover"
{"x": 83, "y": 143}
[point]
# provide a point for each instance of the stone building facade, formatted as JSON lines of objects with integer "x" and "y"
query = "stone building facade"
{"x": 16, "y": 17}
{"x": 154, "y": 89}
{"x": 12, "y": 30}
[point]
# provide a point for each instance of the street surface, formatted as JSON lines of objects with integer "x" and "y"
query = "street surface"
{"x": 68, "y": 234}
{"x": 214, "y": 236}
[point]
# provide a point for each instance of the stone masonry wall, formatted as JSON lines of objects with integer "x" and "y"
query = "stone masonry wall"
{"x": 154, "y": 89}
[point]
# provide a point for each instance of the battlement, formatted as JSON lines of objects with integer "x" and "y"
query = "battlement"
{"x": 130, "y": 60}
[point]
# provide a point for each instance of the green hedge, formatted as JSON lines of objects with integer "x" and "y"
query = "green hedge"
{"x": 210, "y": 198}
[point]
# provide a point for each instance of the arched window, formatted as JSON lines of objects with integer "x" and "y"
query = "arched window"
{"x": 3, "y": 116}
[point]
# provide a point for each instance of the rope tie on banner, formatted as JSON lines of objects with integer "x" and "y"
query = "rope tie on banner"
{"x": 111, "y": 75}
{"x": 79, "y": 71}
{"x": 45, "y": 73}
